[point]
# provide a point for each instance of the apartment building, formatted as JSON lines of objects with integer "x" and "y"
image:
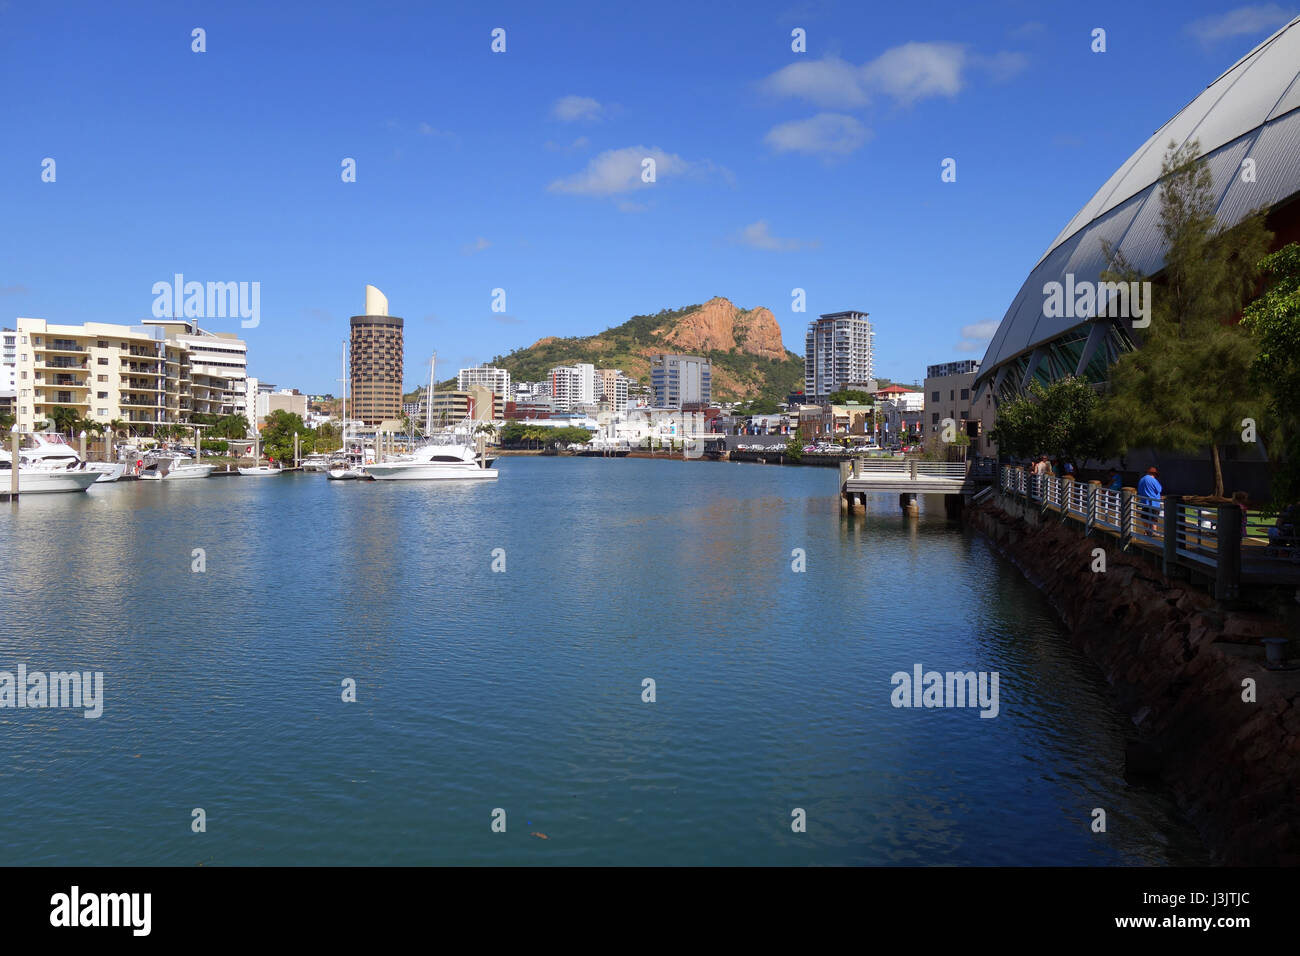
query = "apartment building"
{"x": 495, "y": 379}
{"x": 572, "y": 386}
{"x": 612, "y": 387}
{"x": 839, "y": 353}
{"x": 104, "y": 372}
{"x": 218, "y": 366}
{"x": 377, "y": 357}
{"x": 477, "y": 403}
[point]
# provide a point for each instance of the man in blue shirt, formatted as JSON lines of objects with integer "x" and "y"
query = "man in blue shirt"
{"x": 1149, "y": 491}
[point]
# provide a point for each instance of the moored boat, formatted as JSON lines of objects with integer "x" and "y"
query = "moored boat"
{"x": 433, "y": 462}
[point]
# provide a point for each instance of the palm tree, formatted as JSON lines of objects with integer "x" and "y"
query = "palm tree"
{"x": 120, "y": 428}
{"x": 64, "y": 419}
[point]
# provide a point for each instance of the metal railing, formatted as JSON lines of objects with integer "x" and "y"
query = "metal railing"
{"x": 911, "y": 467}
{"x": 1191, "y": 536}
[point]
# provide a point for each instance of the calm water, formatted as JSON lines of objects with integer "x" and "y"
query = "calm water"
{"x": 522, "y": 690}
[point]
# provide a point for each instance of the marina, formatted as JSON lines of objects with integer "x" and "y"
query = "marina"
{"x": 460, "y": 710}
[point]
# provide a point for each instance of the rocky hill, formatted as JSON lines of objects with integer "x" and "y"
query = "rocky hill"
{"x": 744, "y": 346}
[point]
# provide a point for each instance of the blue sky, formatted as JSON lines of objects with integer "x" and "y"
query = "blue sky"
{"x": 521, "y": 170}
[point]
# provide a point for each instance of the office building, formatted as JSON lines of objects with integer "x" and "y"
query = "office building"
{"x": 677, "y": 380}
{"x": 948, "y": 390}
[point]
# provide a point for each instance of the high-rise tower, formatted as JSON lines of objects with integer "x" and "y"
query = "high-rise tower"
{"x": 376, "y": 362}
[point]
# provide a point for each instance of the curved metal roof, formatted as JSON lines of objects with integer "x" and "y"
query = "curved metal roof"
{"x": 1252, "y": 110}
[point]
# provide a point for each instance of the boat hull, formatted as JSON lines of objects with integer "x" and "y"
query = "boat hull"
{"x": 261, "y": 472}
{"x": 52, "y": 482}
{"x": 189, "y": 471}
{"x": 430, "y": 471}
{"x": 107, "y": 471}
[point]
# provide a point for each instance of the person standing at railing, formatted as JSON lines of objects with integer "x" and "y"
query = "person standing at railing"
{"x": 1114, "y": 481}
{"x": 1241, "y": 498}
{"x": 1149, "y": 491}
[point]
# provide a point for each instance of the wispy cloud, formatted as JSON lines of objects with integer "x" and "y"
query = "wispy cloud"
{"x": 830, "y": 83}
{"x": 318, "y": 315}
{"x": 571, "y": 109}
{"x": 975, "y": 337}
{"x": 917, "y": 71}
{"x": 620, "y": 170}
{"x": 826, "y": 134}
{"x": 580, "y": 143}
{"x": 907, "y": 74}
{"x": 504, "y": 319}
{"x": 424, "y": 129}
{"x": 14, "y": 290}
{"x": 1260, "y": 18}
{"x": 758, "y": 235}
{"x": 1031, "y": 29}
{"x": 477, "y": 246}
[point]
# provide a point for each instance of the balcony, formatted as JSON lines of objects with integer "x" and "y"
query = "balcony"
{"x": 64, "y": 399}
{"x": 60, "y": 346}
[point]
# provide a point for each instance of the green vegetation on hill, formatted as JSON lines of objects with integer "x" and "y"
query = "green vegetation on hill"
{"x": 627, "y": 346}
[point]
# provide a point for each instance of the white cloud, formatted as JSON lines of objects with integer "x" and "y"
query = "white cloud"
{"x": 832, "y": 134}
{"x": 570, "y": 109}
{"x": 1261, "y": 18}
{"x": 829, "y": 82}
{"x": 907, "y": 73}
{"x": 915, "y": 71}
{"x": 975, "y": 337}
{"x": 619, "y": 170}
{"x": 758, "y": 235}
{"x": 980, "y": 330}
{"x": 478, "y": 245}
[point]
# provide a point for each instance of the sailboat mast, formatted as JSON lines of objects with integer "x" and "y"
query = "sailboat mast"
{"x": 428, "y": 406}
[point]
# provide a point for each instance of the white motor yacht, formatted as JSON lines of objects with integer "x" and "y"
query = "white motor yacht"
{"x": 52, "y": 465}
{"x": 173, "y": 466}
{"x": 261, "y": 471}
{"x": 433, "y": 462}
{"x": 107, "y": 470}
